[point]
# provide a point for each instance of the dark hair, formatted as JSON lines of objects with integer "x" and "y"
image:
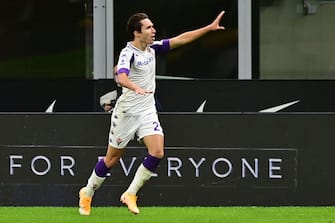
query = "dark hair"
{"x": 134, "y": 22}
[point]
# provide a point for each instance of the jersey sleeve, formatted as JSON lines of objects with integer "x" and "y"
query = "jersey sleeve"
{"x": 125, "y": 59}
{"x": 162, "y": 46}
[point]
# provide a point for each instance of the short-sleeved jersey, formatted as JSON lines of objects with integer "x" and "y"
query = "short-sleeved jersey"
{"x": 140, "y": 66}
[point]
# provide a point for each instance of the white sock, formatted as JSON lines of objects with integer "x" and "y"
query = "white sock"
{"x": 93, "y": 183}
{"x": 141, "y": 176}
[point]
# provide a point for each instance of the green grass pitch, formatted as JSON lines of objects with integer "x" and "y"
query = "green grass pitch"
{"x": 171, "y": 215}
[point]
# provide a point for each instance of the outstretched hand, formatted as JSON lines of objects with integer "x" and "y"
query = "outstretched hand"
{"x": 215, "y": 25}
{"x": 192, "y": 35}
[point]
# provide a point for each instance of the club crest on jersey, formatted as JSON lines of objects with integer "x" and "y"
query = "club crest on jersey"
{"x": 119, "y": 141}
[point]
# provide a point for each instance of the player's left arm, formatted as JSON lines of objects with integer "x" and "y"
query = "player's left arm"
{"x": 190, "y": 36}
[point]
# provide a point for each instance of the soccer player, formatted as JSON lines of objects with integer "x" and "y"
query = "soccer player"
{"x": 135, "y": 112}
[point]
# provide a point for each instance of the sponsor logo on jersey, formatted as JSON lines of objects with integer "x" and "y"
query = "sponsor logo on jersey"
{"x": 145, "y": 62}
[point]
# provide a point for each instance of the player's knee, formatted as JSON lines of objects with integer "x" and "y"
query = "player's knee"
{"x": 111, "y": 161}
{"x": 151, "y": 162}
{"x": 159, "y": 154}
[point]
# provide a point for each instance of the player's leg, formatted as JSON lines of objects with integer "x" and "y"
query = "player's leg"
{"x": 122, "y": 130}
{"x": 154, "y": 141}
{"x": 144, "y": 172}
{"x": 102, "y": 168}
{"x": 97, "y": 177}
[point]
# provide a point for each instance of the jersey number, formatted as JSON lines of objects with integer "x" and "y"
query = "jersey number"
{"x": 156, "y": 126}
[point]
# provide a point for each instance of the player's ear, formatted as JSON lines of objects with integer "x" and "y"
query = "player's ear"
{"x": 136, "y": 34}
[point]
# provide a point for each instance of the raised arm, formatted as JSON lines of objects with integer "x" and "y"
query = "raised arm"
{"x": 190, "y": 36}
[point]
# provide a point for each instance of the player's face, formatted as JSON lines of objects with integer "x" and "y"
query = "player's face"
{"x": 148, "y": 32}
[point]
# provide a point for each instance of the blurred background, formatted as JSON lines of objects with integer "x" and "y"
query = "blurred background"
{"x": 291, "y": 39}
{"x": 75, "y": 43}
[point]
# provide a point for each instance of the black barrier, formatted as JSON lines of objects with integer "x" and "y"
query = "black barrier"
{"x": 173, "y": 95}
{"x": 215, "y": 159}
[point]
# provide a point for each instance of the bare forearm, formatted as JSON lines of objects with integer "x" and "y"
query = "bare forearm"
{"x": 124, "y": 81}
{"x": 188, "y": 37}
